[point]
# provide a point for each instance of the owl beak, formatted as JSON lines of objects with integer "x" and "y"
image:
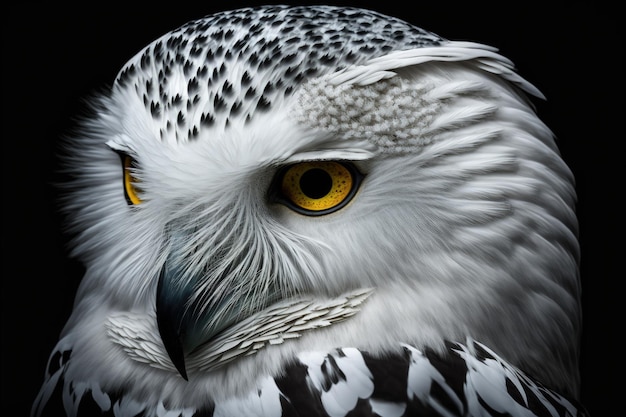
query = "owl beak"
{"x": 170, "y": 324}
{"x": 198, "y": 297}
{"x": 186, "y": 322}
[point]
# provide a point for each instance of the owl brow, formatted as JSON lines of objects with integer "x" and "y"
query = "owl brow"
{"x": 119, "y": 148}
{"x": 337, "y": 150}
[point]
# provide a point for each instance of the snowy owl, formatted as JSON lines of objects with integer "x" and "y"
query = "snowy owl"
{"x": 318, "y": 211}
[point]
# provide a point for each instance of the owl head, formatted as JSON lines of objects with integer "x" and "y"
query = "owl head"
{"x": 258, "y": 162}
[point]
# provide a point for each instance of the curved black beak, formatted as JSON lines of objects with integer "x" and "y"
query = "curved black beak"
{"x": 193, "y": 304}
{"x": 170, "y": 323}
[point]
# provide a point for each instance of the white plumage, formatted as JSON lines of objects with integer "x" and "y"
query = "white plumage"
{"x": 318, "y": 211}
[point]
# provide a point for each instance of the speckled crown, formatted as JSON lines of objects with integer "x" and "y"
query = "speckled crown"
{"x": 232, "y": 65}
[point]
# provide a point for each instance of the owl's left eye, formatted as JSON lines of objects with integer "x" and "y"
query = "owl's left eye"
{"x": 132, "y": 190}
{"x": 316, "y": 187}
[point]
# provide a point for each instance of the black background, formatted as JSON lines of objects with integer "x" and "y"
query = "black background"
{"x": 54, "y": 57}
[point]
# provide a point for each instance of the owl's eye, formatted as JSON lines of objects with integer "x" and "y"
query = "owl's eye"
{"x": 131, "y": 187}
{"x": 316, "y": 187}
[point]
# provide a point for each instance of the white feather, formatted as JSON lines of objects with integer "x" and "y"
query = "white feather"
{"x": 139, "y": 337}
{"x": 453, "y": 51}
{"x": 387, "y": 408}
{"x": 355, "y": 381}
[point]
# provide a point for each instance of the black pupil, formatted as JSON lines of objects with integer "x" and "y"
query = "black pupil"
{"x": 316, "y": 183}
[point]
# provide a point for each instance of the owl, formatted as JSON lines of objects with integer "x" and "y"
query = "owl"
{"x": 317, "y": 211}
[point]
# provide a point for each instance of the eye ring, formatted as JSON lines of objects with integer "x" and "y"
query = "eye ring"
{"x": 131, "y": 187}
{"x": 316, "y": 188}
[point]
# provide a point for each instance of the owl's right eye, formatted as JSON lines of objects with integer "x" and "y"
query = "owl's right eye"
{"x": 132, "y": 190}
{"x": 316, "y": 188}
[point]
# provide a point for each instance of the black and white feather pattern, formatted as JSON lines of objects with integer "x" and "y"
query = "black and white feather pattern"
{"x": 469, "y": 380}
{"x": 207, "y": 296}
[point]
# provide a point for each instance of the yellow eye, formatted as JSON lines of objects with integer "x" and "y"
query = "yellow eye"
{"x": 317, "y": 187}
{"x": 131, "y": 189}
